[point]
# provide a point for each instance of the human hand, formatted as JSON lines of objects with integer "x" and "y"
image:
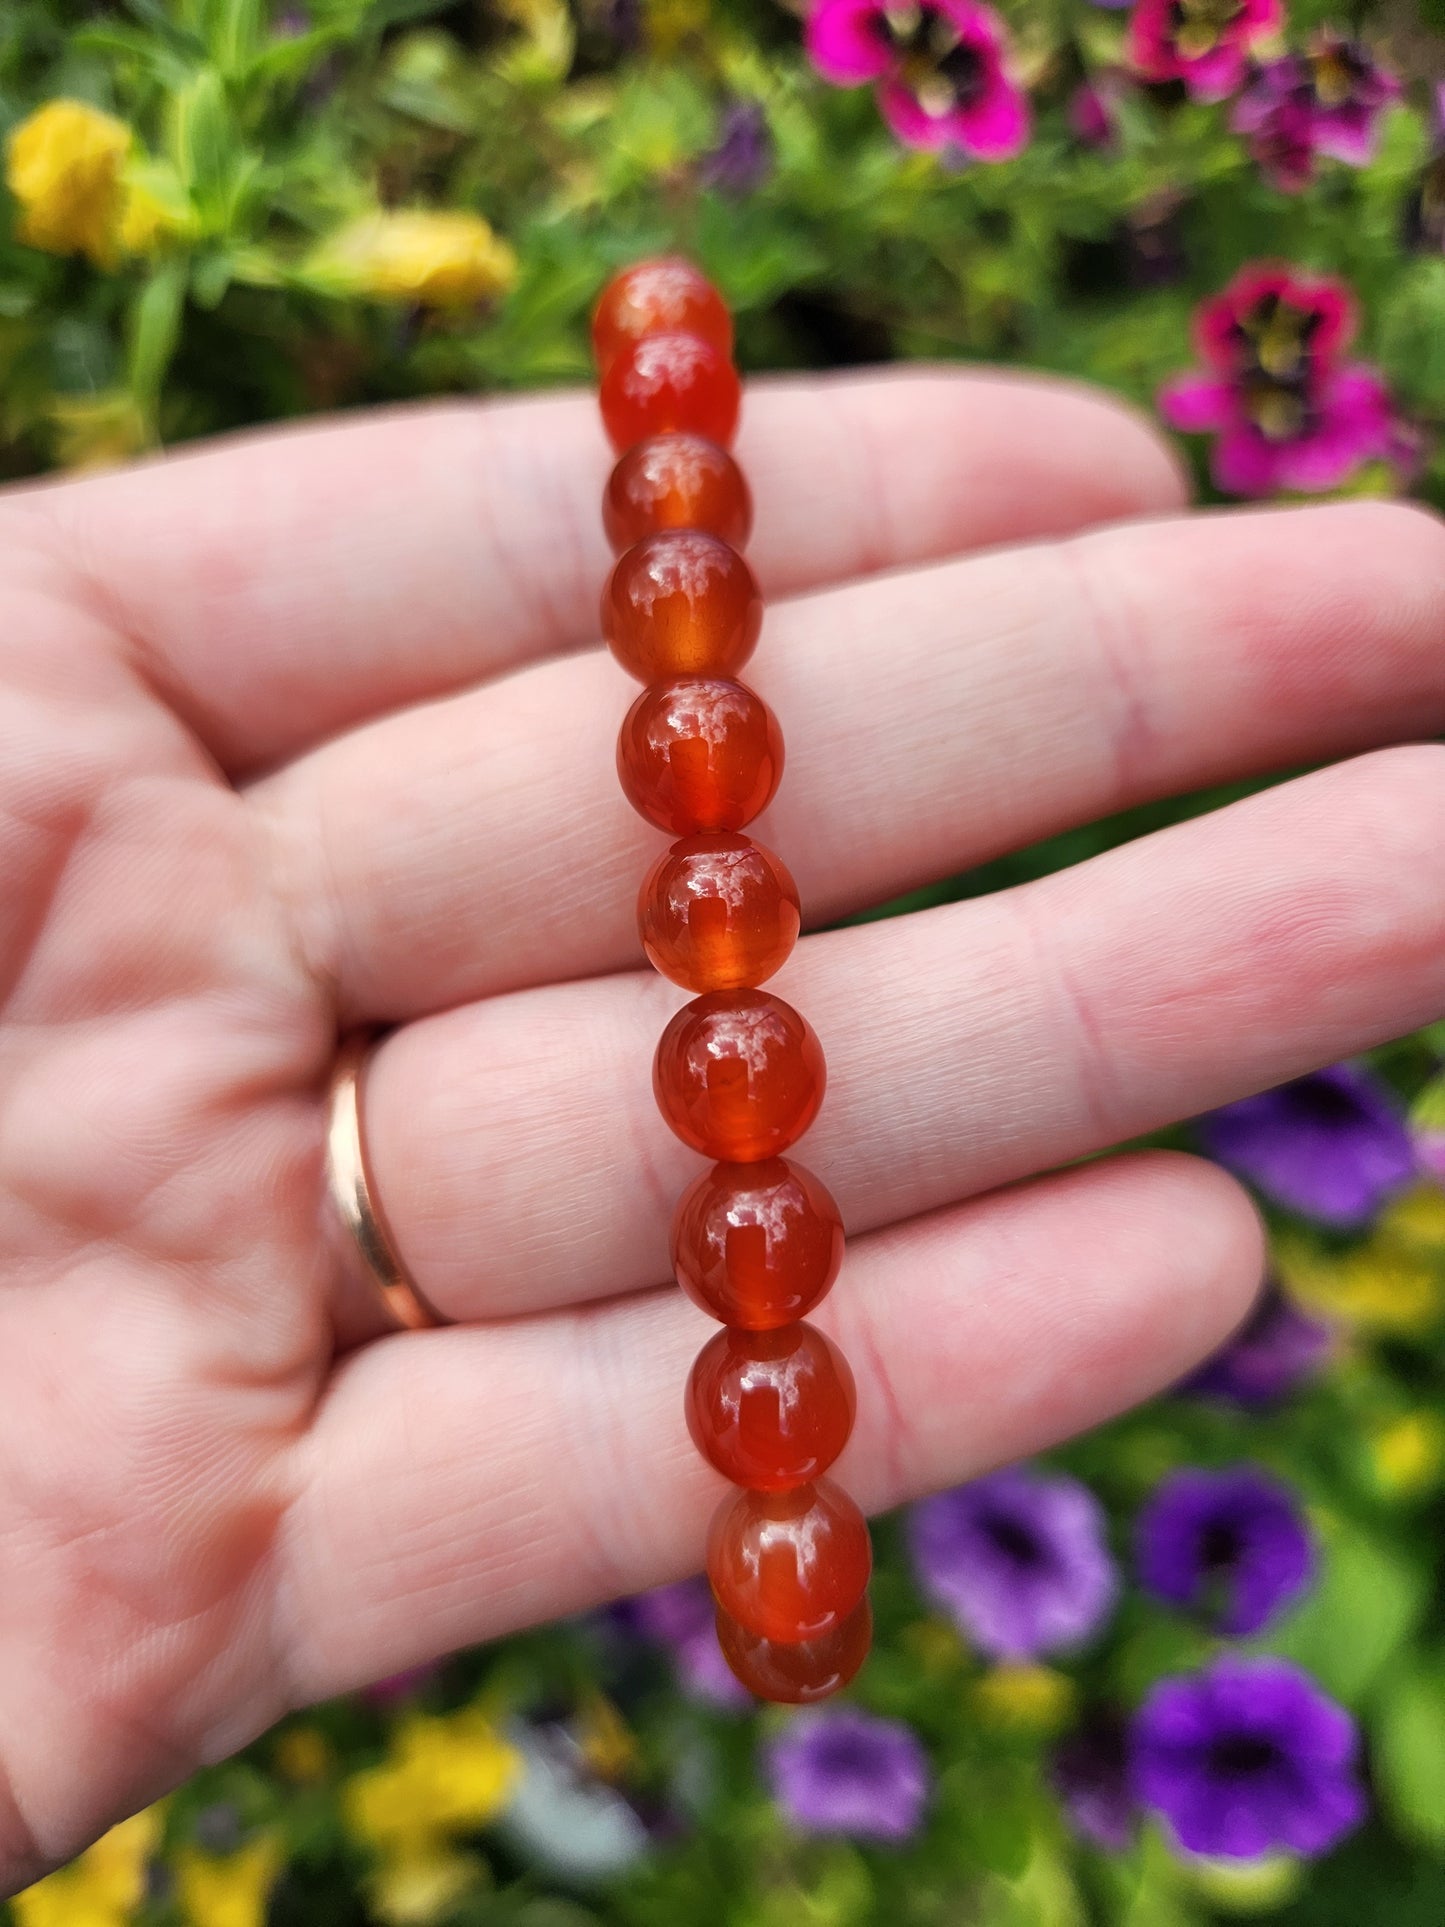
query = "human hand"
{"x": 311, "y": 732}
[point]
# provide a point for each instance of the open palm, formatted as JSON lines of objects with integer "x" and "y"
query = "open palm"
{"x": 313, "y": 731}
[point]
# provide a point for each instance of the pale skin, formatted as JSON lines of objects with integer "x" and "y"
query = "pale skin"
{"x": 313, "y": 730}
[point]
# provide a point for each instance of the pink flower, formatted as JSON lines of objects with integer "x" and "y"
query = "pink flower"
{"x": 1286, "y": 410}
{"x": 1327, "y": 100}
{"x": 1093, "y": 110}
{"x": 1204, "y": 43}
{"x": 940, "y": 68}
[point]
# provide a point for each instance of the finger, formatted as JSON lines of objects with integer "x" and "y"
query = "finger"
{"x": 521, "y": 1160}
{"x": 282, "y": 587}
{"x": 464, "y": 1483}
{"x": 933, "y": 720}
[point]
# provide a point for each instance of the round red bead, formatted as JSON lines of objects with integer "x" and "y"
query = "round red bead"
{"x": 718, "y": 912}
{"x": 699, "y": 754}
{"x": 666, "y": 295}
{"x": 681, "y": 603}
{"x": 676, "y": 482}
{"x": 669, "y": 385}
{"x": 804, "y": 1671}
{"x": 770, "y": 1409}
{"x": 739, "y": 1075}
{"x": 757, "y": 1245}
{"x": 789, "y": 1565}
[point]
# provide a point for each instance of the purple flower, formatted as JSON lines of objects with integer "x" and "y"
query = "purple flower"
{"x": 743, "y": 158}
{"x": 681, "y": 1617}
{"x": 1287, "y": 411}
{"x": 1232, "y": 1544}
{"x": 1332, "y": 1146}
{"x": 1090, "y": 1772}
{"x": 843, "y": 1771}
{"x": 1247, "y": 1758}
{"x": 1203, "y": 43}
{"x": 1277, "y": 1350}
{"x": 1326, "y": 100}
{"x": 1018, "y": 1559}
{"x": 940, "y": 68}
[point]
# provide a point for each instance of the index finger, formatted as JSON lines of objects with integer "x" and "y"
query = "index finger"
{"x": 287, "y": 585}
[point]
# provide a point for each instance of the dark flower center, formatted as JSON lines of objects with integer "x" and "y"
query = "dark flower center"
{"x": 1325, "y": 1103}
{"x": 1241, "y": 1756}
{"x": 1219, "y": 1546}
{"x": 938, "y": 67}
{"x": 1015, "y": 1541}
{"x": 1277, "y": 368}
{"x": 1198, "y": 26}
{"x": 1336, "y": 68}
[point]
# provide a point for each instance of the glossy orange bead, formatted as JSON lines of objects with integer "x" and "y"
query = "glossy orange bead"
{"x": 789, "y": 1565}
{"x": 699, "y": 754}
{"x": 801, "y": 1673}
{"x": 670, "y": 385}
{"x": 739, "y": 1075}
{"x": 666, "y": 295}
{"x": 681, "y": 603}
{"x": 757, "y": 1245}
{"x": 676, "y": 482}
{"x": 718, "y": 912}
{"x": 770, "y": 1409}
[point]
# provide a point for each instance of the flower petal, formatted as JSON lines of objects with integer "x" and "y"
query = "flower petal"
{"x": 846, "y": 41}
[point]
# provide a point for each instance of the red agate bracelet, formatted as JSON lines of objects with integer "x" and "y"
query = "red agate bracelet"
{"x": 757, "y": 1240}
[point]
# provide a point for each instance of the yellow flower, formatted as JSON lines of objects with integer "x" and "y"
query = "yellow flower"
{"x": 303, "y": 1755}
{"x": 1025, "y": 1699}
{"x": 1387, "y": 1284}
{"x": 103, "y": 1887}
{"x": 421, "y": 1886}
{"x": 1416, "y": 1219}
{"x": 1407, "y": 1453}
{"x": 447, "y": 1774}
{"x": 96, "y": 431}
{"x": 227, "y": 1890}
{"x": 441, "y": 260}
{"x": 606, "y": 1740}
{"x": 63, "y": 165}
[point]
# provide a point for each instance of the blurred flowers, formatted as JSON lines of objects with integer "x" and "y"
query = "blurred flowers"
{"x": 1247, "y": 1757}
{"x": 435, "y": 258}
{"x": 1326, "y": 100}
{"x": 1273, "y": 1353}
{"x": 1287, "y": 412}
{"x": 103, "y": 1887}
{"x": 843, "y": 1771}
{"x": 1204, "y": 43}
{"x": 941, "y": 68}
{"x": 1231, "y": 1545}
{"x": 682, "y": 1618}
{"x": 1090, "y": 1773}
{"x": 64, "y": 165}
{"x": 1019, "y": 1559}
{"x": 1332, "y": 1146}
{"x": 227, "y": 1889}
{"x": 742, "y": 160}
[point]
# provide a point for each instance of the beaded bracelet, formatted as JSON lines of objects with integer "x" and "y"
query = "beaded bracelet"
{"x": 757, "y": 1240}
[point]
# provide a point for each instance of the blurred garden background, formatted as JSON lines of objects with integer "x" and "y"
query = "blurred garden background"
{"x": 1190, "y": 1668}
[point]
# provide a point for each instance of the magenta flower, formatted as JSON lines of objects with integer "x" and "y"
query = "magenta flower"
{"x": 1327, "y": 100}
{"x": 1287, "y": 410}
{"x": 1204, "y": 43}
{"x": 940, "y": 68}
{"x": 1247, "y": 1758}
{"x": 1093, "y": 110}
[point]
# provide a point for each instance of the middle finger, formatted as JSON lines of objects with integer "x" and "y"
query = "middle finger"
{"x": 934, "y": 718}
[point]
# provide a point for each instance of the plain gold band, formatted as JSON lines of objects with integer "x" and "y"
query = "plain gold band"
{"x": 353, "y": 1192}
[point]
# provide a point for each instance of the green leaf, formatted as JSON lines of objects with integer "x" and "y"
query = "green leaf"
{"x": 1366, "y": 1605}
{"x": 1409, "y": 1755}
{"x": 155, "y": 328}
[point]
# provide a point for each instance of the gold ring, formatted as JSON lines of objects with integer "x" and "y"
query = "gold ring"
{"x": 353, "y": 1192}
